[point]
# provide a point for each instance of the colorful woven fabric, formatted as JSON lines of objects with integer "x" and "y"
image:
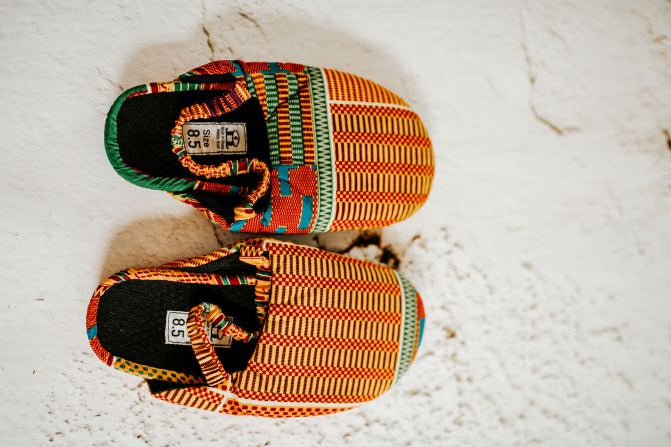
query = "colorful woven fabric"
{"x": 337, "y": 332}
{"x": 344, "y": 152}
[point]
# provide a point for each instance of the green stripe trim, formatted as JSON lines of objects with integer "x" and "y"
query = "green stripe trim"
{"x": 407, "y": 343}
{"x": 295, "y": 122}
{"x": 323, "y": 150}
{"x": 250, "y": 85}
{"x": 271, "y": 122}
{"x": 114, "y": 155}
{"x": 226, "y": 280}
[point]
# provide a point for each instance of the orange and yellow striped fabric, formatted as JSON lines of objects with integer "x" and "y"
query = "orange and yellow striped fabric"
{"x": 382, "y": 154}
{"x": 338, "y": 332}
{"x": 350, "y": 153}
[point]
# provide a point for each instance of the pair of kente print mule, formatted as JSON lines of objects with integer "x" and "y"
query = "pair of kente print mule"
{"x": 266, "y": 327}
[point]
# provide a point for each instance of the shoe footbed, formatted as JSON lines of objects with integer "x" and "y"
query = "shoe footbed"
{"x": 144, "y": 124}
{"x": 132, "y": 323}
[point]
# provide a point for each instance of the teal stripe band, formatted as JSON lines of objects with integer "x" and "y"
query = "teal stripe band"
{"x": 409, "y": 324}
{"x": 283, "y": 177}
{"x": 295, "y": 121}
{"x": 272, "y": 100}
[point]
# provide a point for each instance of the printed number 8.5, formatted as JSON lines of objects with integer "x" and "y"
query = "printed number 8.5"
{"x": 193, "y": 133}
{"x": 175, "y": 332}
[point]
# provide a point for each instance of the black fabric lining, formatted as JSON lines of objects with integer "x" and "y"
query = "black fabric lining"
{"x": 132, "y": 319}
{"x": 223, "y": 206}
{"x": 144, "y": 124}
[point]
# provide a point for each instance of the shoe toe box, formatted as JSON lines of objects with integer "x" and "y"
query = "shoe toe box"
{"x": 383, "y": 157}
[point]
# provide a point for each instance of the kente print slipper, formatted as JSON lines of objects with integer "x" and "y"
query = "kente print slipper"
{"x": 266, "y": 147}
{"x": 262, "y": 327}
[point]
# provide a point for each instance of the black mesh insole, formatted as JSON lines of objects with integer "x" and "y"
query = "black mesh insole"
{"x": 144, "y": 123}
{"x": 132, "y": 322}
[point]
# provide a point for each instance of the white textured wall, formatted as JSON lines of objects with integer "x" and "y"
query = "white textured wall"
{"x": 543, "y": 253}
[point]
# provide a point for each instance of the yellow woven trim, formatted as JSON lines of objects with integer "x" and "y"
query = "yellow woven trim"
{"x": 149, "y": 372}
{"x": 212, "y": 369}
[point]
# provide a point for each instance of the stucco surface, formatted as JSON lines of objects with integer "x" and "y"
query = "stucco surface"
{"x": 543, "y": 253}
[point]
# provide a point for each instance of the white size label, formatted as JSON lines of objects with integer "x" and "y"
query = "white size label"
{"x": 176, "y": 333}
{"x": 215, "y": 138}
